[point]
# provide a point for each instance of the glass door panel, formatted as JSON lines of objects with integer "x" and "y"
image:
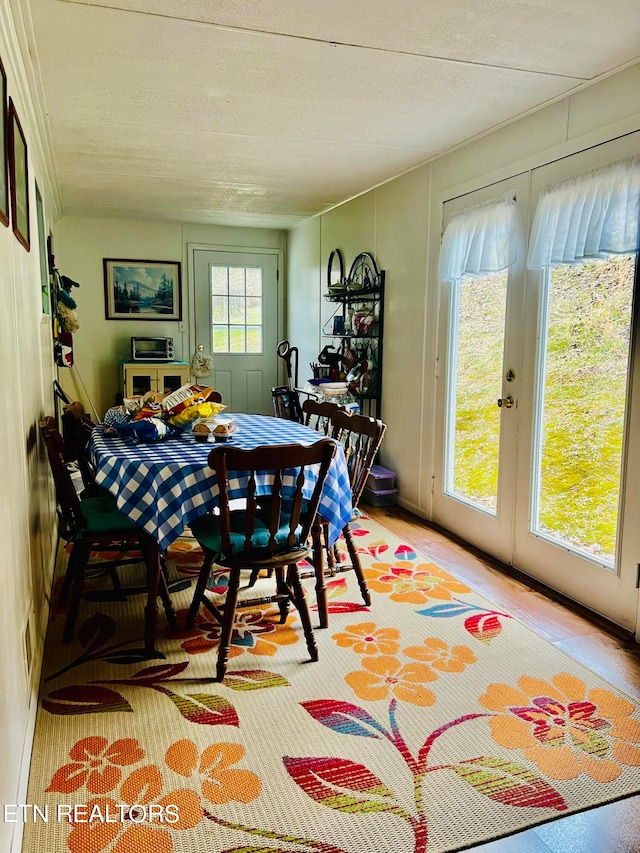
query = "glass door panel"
{"x": 479, "y": 356}
{"x": 475, "y": 383}
{"x": 582, "y": 402}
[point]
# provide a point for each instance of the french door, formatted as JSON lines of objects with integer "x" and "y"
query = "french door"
{"x": 236, "y": 312}
{"x": 538, "y": 447}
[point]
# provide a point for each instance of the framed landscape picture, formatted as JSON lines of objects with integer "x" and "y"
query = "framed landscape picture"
{"x": 4, "y": 153}
{"x": 19, "y": 172}
{"x": 142, "y": 290}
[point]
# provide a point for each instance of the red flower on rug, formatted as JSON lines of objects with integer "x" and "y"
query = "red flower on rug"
{"x": 96, "y": 764}
{"x": 385, "y": 676}
{"x": 256, "y": 631}
{"x": 220, "y": 782}
{"x": 563, "y": 729}
{"x": 407, "y": 583}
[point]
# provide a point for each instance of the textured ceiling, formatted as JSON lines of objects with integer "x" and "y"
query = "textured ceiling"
{"x": 263, "y": 113}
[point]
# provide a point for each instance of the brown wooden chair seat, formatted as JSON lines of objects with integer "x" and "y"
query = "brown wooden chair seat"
{"x": 92, "y": 524}
{"x": 272, "y": 532}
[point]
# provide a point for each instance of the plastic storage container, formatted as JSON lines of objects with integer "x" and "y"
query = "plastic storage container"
{"x": 380, "y": 479}
{"x": 379, "y": 497}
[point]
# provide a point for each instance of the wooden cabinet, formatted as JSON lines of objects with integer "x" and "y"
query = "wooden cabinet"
{"x": 139, "y": 377}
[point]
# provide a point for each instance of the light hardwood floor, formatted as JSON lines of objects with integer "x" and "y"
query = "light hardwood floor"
{"x": 614, "y": 828}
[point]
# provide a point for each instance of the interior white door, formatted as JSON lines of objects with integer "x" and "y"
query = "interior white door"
{"x": 548, "y": 481}
{"x": 236, "y": 319}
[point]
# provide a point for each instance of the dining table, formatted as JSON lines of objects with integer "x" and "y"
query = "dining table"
{"x": 163, "y": 486}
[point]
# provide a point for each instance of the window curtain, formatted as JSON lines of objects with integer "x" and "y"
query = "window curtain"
{"x": 479, "y": 240}
{"x": 589, "y": 216}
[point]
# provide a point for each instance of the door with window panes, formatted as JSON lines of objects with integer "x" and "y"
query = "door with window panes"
{"x": 236, "y": 302}
{"x": 539, "y": 406}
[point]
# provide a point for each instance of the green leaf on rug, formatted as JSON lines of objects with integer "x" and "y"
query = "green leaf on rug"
{"x": 204, "y": 709}
{"x": 160, "y": 672}
{"x": 85, "y": 699}
{"x": 96, "y": 631}
{"x": 251, "y": 849}
{"x": 328, "y": 781}
{"x": 254, "y": 679}
{"x": 125, "y": 657}
{"x": 343, "y": 717}
{"x": 509, "y": 783}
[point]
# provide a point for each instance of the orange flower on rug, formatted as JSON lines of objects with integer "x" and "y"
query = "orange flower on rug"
{"x": 140, "y": 799}
{"x": 96, "y": 764}
{"x": 220, "y": 783}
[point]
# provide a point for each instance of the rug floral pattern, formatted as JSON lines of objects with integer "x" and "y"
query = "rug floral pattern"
{"x": 432, "y": 721}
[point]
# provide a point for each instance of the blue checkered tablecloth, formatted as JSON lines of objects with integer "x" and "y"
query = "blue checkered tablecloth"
{"x": 164, "y": 486}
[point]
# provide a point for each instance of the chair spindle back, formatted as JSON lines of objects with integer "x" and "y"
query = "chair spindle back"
{"x": 317, "y": 415}
{"x": 287, "y": 462}
{"x": 361, "y": 438}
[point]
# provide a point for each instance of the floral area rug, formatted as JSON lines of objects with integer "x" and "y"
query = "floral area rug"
{"x": 432, "y": 722}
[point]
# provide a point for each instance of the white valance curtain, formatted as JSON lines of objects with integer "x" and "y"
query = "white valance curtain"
{"x": 589, "y": 216}
{"x": 479, "y": 240}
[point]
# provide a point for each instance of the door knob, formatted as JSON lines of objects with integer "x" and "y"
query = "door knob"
{"x": 505, "y": 402}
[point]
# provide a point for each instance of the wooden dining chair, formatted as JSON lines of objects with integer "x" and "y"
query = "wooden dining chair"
{"x": 286, "y": 403}
{"x": 271, "y": 532}
{"x": 76, "y": 432}
{"x": 91, "y": 524}
{"x": 361, "y": 438}
{"x": 317, "y": 415}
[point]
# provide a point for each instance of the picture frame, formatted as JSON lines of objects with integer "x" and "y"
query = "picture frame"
{"x": 142, "y": 290}
{"x": 4, "y": 150}
{"x": 19, "y": 178}
{"x": 42, "y": 247}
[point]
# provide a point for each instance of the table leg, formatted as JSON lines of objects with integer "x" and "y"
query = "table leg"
{"x": 152, "y": 554}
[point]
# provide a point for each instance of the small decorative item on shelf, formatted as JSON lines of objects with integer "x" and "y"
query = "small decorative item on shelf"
{"x": 338, "y": 324}
{"x": 331, "y": 359}
{"x": 364, "y": 273}
{"x": 335, "y": 271}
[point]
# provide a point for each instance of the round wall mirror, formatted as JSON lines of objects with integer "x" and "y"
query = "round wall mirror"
{"x": 335, "y": 270}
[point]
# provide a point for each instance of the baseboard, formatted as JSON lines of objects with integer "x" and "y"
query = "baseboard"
{"x": 411, "y": 507}
{"x": 30, "y": 728}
